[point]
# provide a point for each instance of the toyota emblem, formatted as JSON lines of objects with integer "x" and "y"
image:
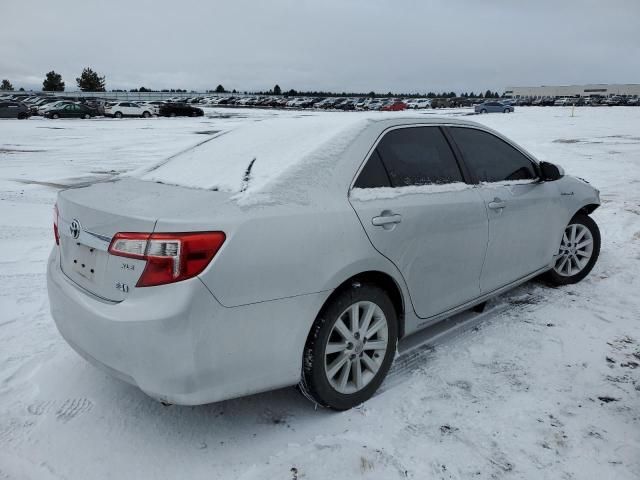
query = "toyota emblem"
{"x": 75, "y": 228}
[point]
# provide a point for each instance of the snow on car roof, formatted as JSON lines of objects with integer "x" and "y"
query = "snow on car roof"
{"x": 247, "y": 158}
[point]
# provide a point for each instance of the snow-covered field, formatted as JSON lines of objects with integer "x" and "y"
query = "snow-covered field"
{"x": 545, "y": 384}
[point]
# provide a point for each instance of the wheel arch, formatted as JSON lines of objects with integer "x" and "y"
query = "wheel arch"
{"x": 587, "y": 209}
{"x": 382, "y": 280}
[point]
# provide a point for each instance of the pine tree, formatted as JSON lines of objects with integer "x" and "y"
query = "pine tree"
{"x": 6, "y": 85}
{"x": 277, "y": 90}
{"x": 90, "y": 81}
{"x": 53, "y": 82}
{"x": 220, "y": 89}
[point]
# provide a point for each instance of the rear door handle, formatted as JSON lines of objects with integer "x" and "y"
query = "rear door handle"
{"x": 386, "y": 219}
{"x": 497, "y": 204}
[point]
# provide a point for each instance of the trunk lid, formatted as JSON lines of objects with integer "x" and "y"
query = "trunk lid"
{"x": 89, "y": 217}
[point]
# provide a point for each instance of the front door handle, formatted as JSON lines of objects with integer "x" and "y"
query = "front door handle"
{"x": 497, "y": 204}
{"x": 386, "y": 219}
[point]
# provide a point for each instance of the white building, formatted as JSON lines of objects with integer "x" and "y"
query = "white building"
{"x": 598, "y": 89}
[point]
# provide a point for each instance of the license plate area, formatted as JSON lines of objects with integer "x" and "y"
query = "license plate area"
{"x": 82, "y": 260}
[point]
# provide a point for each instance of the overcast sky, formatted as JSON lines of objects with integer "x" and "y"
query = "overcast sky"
{"x": 339, "y": 45}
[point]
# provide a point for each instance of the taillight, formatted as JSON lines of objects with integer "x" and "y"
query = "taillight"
{"x": 56, "y": 234}
{"x": 171, "y": 257}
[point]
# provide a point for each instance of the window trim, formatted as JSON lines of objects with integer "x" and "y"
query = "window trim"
{"x": 465, "y": 174}
{"x": 472, "y": 176}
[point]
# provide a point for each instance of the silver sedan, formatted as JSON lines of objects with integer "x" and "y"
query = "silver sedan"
{"x": 299, "y": 251}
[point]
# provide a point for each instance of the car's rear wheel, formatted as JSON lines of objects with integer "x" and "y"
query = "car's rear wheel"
{"x": 146, "y": 114}
{"x": 350, "y": 347}
{"x": 22, "y": 116}
{"x": 577, "y": 253}
{"x": 507, "y": 110}
{"x": 172, "y": 114}
{"x": 86, "y": 116}
{"x": 55, "y": 115}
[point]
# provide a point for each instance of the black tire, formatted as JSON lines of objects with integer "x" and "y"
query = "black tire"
{"x": 314, "y": 383}
{"x": 172, "y": 114}
{"x": 483, "y": 110}
{"x": 554, "y": 278}
{"x": 146, "y": 114}
{"x": 118, "y": 114}
{"x": 22, "y": 116}
{"x": 55, "y": 115}
{"x": 86, "y": 116}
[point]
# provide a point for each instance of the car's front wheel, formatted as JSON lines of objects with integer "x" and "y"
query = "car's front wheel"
{"x": 350, "y": 347}
{"x": 118, "y": 115}
{"x": 146, "y": 114}
{"x": 484, "y": 110}
{"x": 578, "y": 251}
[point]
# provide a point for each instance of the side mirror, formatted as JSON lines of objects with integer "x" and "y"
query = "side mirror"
{"x": 550, "y": 172}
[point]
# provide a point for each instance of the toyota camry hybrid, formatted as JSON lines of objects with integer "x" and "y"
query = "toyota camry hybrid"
{"x": 298, "y": 251}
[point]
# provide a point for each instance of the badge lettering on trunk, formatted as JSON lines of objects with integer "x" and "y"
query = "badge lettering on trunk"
{"x": 123, "y": 287}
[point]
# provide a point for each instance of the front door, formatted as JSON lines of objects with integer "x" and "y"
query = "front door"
{"x": 522, "y": 227}
{"x": 418, "y": 212}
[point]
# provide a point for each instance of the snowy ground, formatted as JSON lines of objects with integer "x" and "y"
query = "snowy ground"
{"x": 546, "y": 384}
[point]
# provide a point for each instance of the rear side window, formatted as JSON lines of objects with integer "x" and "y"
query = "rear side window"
{"x": 373, "y": 174}
{"x": 418, "y": 156}
{"x": 491, "y": 159}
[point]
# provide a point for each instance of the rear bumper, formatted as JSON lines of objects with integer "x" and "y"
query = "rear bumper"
{"x": 178, "y": 344}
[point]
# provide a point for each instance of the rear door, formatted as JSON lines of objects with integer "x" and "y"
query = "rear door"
{"x": 522, "y": 226}
{"x": 417, "y": 210}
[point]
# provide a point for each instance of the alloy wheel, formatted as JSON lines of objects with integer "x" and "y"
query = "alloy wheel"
{"x": 356, "y": 347}
{"x": 575, "y": 250}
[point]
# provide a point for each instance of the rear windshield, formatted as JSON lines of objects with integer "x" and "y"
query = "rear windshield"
{"x": 249, "y": 157}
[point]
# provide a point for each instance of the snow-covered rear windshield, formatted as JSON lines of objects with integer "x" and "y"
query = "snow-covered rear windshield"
{"x": 270, "y": 147}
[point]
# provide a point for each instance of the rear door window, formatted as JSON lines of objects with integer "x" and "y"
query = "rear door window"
{"x": 418, "y": 156}
{"x": 490, "y": 158}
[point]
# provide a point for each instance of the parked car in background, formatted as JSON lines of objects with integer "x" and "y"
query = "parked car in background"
{"x": 493, "y": 107}
{"x": 11, "y": 109}
{"x": 70, "y": 110}
{"x": 615, "y": 101}
{"x": 53, "y": 105}
{"x": 179, "y": 110}
{"x": 440, "y": 103}
{"x": 394, "y": 106}
{"x": 126, "y": 109}
{"x": 419, "y": 103}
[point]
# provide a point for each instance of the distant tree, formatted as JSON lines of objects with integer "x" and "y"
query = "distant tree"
{"x": 292, "y": 92}
{"x": 90, "y": 81}
{"x": 220, "y": 89}
{"x": 489, "y": 94}
{"x": 21, "y": 89}
{"x": 277, "y": 90}
{"x": 372, "y": 94}
{"x": 234, "y": 91}
{"x": 53, "y": 82}
{"x": 144, "y": 89}
{"x": 6, "y": 85}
